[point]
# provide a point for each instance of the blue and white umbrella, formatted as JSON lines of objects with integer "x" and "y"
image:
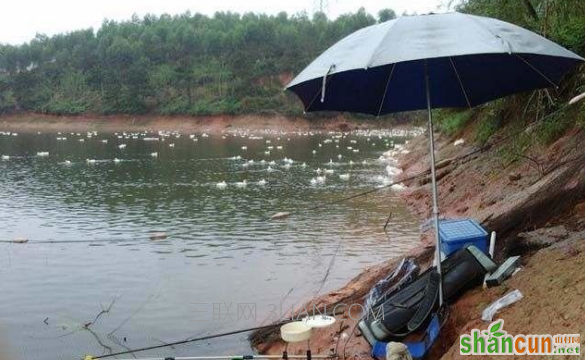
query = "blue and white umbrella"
{"x": 430, "y": 61}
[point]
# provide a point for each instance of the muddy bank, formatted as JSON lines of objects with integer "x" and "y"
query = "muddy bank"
{"x": 536, "y": 204}
{"x": 209, "y": 124}
{"x": 520, "y": 200}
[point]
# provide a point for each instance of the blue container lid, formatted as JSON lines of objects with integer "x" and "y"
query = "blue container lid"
{"x": 460, "y": 230}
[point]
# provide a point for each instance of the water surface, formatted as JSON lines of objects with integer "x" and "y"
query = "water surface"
{"x": 88, "y": 219}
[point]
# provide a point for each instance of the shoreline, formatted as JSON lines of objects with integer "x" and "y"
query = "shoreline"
{"x": 29, "y": 123}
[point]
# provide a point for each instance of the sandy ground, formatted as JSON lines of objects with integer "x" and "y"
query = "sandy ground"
{"x": 507, "y": 197}
{"x": 209, "y": 124}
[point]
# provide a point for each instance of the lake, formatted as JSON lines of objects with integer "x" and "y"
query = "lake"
{"x": 89, "y": 202}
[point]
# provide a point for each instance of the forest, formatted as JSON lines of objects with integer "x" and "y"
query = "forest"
{"x": 228, "y": 63}
{"x": 189, "y": 64}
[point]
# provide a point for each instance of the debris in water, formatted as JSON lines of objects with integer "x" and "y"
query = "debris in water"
{"x": 157, "y": 236}
{"x": 280, "y": 215}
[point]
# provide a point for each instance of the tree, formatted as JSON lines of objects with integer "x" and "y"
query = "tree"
{"x": 385, "y": 15}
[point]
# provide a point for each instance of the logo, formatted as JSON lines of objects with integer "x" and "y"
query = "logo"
{"x": 496, "y": 341}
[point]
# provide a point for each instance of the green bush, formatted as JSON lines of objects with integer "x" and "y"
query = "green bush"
{"x": 451, "y": 121}
{"x": 553, "y": 128}
{"x": 214, "y": 107}
{"x": 65, "y": 107}
{"x": 571, "y": 34}
{"x": 489, "y": 124}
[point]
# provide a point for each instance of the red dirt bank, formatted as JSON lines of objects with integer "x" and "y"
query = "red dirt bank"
{"x": 209, "y": 124}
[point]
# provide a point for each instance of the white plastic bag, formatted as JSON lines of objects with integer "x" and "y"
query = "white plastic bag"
{"x": 506, "y": 300}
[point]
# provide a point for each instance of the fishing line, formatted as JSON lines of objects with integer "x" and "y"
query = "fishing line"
{"x": 331, "y": 262}
{"x": 83, "y": 241}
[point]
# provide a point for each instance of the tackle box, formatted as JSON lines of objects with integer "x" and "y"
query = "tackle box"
{"x": 457, "y": 234}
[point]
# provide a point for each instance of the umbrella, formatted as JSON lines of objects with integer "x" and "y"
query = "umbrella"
{"x": 450, "y": 60}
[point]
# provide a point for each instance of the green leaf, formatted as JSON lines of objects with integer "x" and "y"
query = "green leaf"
{"x": 498, "y": 334}
{"x": 495, "y": 327}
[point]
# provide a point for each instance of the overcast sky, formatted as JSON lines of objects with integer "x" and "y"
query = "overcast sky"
{"x": 20, "y": 20}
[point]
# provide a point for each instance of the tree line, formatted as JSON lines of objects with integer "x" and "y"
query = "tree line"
{"x": 193, "y": 64}
{"x": 189, "y": 64}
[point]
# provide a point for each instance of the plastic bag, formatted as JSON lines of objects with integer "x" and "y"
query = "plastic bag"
{"x": 404, "y": 273}
{"x": 507, "y": 300}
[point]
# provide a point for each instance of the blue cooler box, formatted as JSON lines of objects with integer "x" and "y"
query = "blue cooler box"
{"x": 456, "y": 234}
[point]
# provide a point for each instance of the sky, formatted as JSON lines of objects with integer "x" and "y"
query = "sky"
{"x": 21, "y": 20}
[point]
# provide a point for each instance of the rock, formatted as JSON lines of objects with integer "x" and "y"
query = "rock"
{"x": 158, "y": 236}
{"x": 569, "y": 245}
{"x": 543, "y": 237}
{"x": 514, "y": 176}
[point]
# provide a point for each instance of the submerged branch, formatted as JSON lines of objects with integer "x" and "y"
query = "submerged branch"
{"x": 104, "y": 311}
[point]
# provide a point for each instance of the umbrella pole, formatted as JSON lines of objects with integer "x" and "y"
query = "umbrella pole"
{"x": 434, "y": 187}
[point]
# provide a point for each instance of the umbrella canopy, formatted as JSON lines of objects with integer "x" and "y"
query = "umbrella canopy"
{"x": 470, "y": 60}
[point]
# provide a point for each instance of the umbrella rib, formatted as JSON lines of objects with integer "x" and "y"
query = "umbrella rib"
{"x": 460, "y": 82}
{"x": 537, "y": 71}
{"x": 386, "y": 89}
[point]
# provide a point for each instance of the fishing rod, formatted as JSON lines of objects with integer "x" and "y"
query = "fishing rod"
{"x": 186, "y": 341}
{"x": 235, "y": 357}
{"x": 213, "y": 336}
